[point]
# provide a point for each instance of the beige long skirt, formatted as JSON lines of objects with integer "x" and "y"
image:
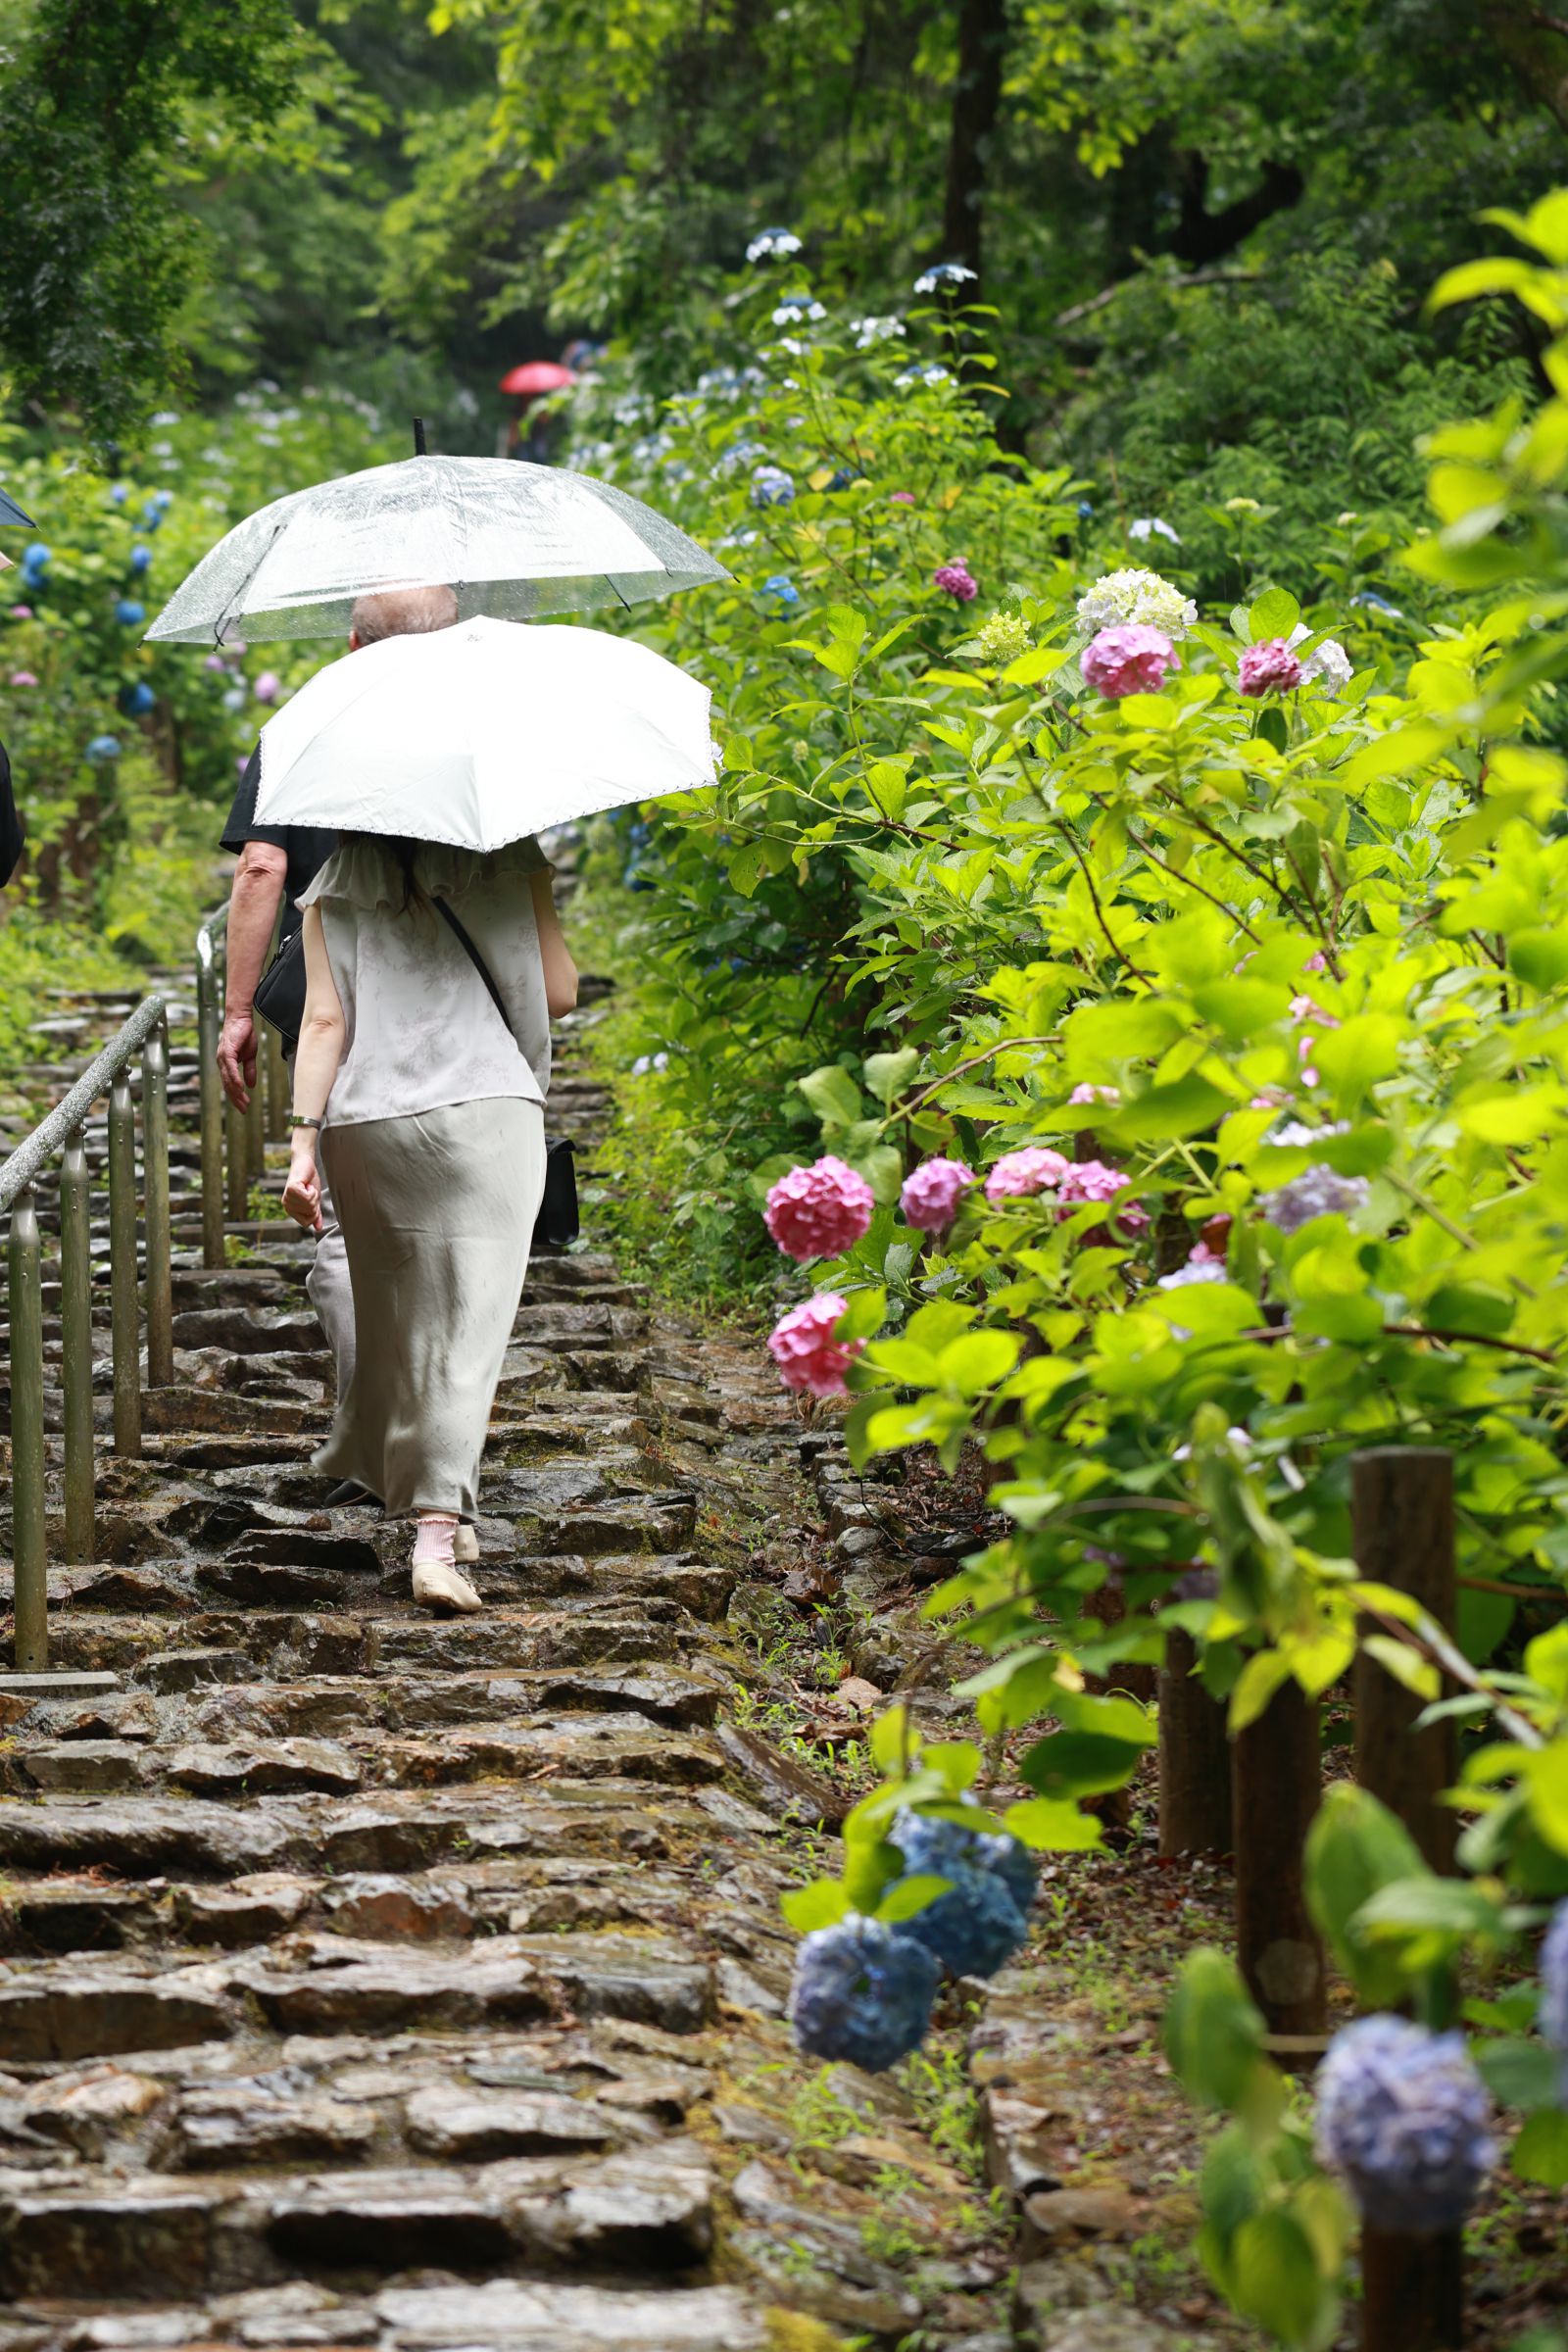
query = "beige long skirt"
{"x": 437, "y": 1212}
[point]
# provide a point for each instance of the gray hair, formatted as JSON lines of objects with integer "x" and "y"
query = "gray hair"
{"x": 403, "y": 613}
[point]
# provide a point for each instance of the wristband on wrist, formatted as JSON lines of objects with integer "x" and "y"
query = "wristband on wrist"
{"x": 316, "y": 1123}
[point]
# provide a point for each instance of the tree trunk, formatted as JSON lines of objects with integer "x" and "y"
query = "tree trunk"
{"x": 976, "y": 106}
{"x": 1195, "y": 1758}
{"x": 1535, "y": 43}
{"x": 1277, "y": 1775}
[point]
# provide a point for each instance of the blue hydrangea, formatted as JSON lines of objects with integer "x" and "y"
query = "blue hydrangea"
{"x": 925, "y": 371}
{"x": 103, "y": 747}
{"x": 771, "y": 486}
{"x": 774, "y": 245}
{"x": 1553, "y": 2017}
{"x": 129, "y": 612}
{"x": 1318, "y": 1192}
{"x": 792, "y": 309}
{"x": 1372, "y": 603}
{"x": 36, "y": 558}
{"x": 119, "y": 493}
{"x": 1086, "y": 509}
{"x": 140, "y": 558}
{"x": 978, "y": 1925}
{"x": 942, "y": 276}
{"x": 783, "y": 587}
{"x": 137, "y": 701}
{"x": 861, "y": 1993}
{"x": 1404, "y": 2115}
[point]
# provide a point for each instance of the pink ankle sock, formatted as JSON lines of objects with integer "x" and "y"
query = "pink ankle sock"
{"x": 432, "y": 1541}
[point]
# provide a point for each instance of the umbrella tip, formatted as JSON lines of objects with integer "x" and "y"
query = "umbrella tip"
{"x": 419, "y": 449}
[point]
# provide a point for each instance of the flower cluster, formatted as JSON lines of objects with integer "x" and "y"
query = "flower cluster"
{"x": 1404, "y": 2117}
{"x": 955, "y": 578}
{"x": 933, "y": 1193}
{"x": 1131, "y": 659}
{"x": 1555, "y": 1989}
{"x": 861, "y": 1993}
{"x": 795, "y": 309}
{"x": 774, "y": 245}
{"x": 945, "y": 275}
{"x": 1019, "y": 1174}
{"x": 863, "y": 1989}
{"x": 868, "y": 332}
{"x": 803, "y": 1346}
{"x": 820, "y": 1211}
{"x": 1268, "y": 667}
{"x": 1149, "y": 526}
{"x": 771, "y": 486}
{"x": 1318, "y": 1192}
{"x": 1328, "y": 664}
{"x": 1001, "y": 639}
{"x": 1136, "y": 596}
{"x": 924, "y": 371}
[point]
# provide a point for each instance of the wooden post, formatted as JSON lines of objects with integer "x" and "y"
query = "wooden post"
{"x": 1195, "y": 1758}
{"x": 125, "y": 1300}
{"x": 30, "y": 1539}
{"x": 1412, "y": 2291}
{"x": 1401, "y": 1507}
{"x": 1402, "y": 1512}
{"x": 1277, "y": 1773}
{"x": 75, "y": 1350}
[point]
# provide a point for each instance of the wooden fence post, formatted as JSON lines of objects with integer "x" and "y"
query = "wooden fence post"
{"x": 1401, "y": 1507}
{"x": 1277, "y": 1773}
{"x": 1194, "y": 1757}
{"x": 1401, "y": 1511}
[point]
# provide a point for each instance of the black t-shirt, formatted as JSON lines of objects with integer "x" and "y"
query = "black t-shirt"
{"x": 307, "y": 847}
{"x": 12, "y": 832}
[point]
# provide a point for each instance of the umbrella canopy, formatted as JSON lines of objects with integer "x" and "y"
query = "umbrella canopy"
{"x": 537, "y": 376}
{"x": 511, "y": 539}
{"x": 480, "y": 734}
{"x": 11, "y": 512}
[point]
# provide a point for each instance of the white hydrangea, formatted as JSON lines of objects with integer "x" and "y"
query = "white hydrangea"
{"x": 1328, "y": 663}
{"x": 1136, "y": 596}
{"x": 1146, "y": 525}
{"x": 870, "y": 331}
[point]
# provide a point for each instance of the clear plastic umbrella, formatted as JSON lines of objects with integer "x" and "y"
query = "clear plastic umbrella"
{"x": 481, "y": 734}
{"x": 513, "y": 539}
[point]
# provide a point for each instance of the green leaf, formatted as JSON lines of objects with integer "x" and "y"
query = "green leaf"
{"x": 857, "y": 1421}
{"x": 1453, "y": 1906}
{"x": 1519, "y": 2072}
{"x": 1047, "y": 1826}
{"x": 1540, "y": 2151}
{"x": 1184, "y": 1108}
{"x": 887, "y": 1739}
{"x": 1213, "y": 2033}
{"x": 978, "y": 1361}
{"x": 1355, "y": 1849}
{"x": 833, "y": 1094}
{"x": 1275, "y": 2277}
{"x": 1274, "y": 615}
{"x": 888, "y": 1074}
{"x": 1073, "y": 1764}
{"x": 1265, "y": 1673}
{"x": 906, "y": 1896}
{"x": 822, "y": 1904}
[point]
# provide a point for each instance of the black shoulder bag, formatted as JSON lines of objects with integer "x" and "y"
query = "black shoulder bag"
{"x": 558, "y": 1222}
{"x": 279, "y": 996}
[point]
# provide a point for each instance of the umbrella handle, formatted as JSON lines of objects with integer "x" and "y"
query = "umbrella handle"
{"x": 419, "y": 449}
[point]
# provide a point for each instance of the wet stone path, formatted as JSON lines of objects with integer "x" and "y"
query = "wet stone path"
{"x": 373, "y": 1979}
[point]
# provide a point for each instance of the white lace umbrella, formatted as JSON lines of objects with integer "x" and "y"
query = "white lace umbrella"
{"x": 513, "y": 540}
{"x": 481, "y": 733}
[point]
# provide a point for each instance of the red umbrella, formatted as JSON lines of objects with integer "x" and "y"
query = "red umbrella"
{"x": 537, "y": 376}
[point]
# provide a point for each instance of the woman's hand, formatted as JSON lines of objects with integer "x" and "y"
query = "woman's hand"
{"x": 301, "y": 1193}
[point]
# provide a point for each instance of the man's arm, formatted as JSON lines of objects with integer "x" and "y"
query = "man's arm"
{"x": 253, "y": 906}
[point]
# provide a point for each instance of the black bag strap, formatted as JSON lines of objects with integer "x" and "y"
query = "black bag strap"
{"x": 478, "y": 960}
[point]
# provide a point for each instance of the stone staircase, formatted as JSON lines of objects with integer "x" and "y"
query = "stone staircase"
{"x": 368, "y": 1980}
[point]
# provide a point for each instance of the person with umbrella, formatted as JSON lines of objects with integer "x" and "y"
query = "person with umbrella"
{"x": 434, "y": 962}
{"x": 530, "y": 383}
{"x": 12, "y": 832}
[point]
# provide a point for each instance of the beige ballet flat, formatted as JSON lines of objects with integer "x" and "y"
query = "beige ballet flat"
{"x": 441, "y": 1589}
{"x": 466, "y": 1543}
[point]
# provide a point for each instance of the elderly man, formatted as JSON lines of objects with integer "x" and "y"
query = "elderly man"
{"x": 276, "y": 865}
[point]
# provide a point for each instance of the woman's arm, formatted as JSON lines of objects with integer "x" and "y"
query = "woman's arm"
{"x": 561, "y": 973}
{"x": 321, "y": 1049}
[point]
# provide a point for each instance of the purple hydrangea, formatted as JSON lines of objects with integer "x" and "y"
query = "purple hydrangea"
{"x": 861, "y": 1993}
{"x": 1404, "y": 2115}
{"x": 1318, "y": 1192}
{"x": 1555, "y": 1989}
{"x": 933, "y": 1194}
{"x": 978, "y": 1925}
{"x": 1268, "y": 668}
{"x": 957, "y": 580}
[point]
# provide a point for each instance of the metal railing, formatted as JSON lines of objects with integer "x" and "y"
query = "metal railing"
{"x": 233, "y": 1142}
{"x": 64, "y": 1132}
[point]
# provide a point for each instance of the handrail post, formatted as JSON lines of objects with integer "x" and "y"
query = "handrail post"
{"x": 154, "y": 1191}
{"x": 208, "y": 1024}
{"x": 75, "y": 1336}
{"x": 123, "y": 1302}
{"x": 278, "y": 1086}
{"x": 236, "y": 1157}
{"x": 28, "y": 1542}
{"x": 256, "y": 1124}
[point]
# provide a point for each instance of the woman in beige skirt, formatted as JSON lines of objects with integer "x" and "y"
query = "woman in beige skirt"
{"x": 429, "y": 1108}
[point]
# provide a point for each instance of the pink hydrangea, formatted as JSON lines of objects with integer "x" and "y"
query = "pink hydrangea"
{"x": 1085, "y": 1093}
{"x": 803, "y": 1346}
{"x": 820, "y": 1211}
{"x": 1019, "y": 1174}
{"x": 21, "y": 611}
{"x": 268, "y": 686}
{"x": 1092, "y": 1180}
{"x": 956, "y": 578}
{"x": 1131, "y": 659}
{"x": 900, "y": 498}
{"x": 932, "y": 1192}
{"x": 1269, "y": 667}
{"x": 23, "y": 677}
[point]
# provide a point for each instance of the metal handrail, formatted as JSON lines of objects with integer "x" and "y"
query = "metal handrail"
{"x": 63, "y": 1131}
